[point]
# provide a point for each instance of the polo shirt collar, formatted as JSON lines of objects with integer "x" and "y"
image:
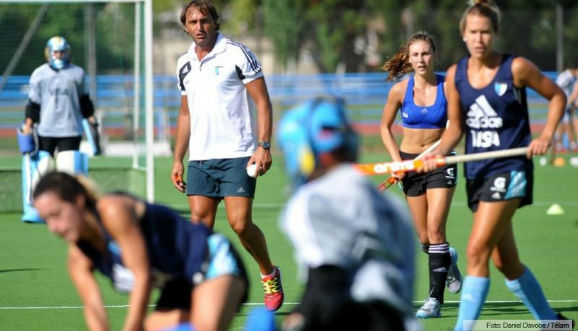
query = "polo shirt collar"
{"x": 219, "y": 47}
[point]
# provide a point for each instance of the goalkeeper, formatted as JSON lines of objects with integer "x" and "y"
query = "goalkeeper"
{"x": 58, "y": 102}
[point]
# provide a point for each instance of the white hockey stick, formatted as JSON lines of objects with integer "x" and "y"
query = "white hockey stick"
{"x": 411, "y": 165}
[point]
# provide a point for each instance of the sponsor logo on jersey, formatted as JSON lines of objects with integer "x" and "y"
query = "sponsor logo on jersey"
{"x": 218, "y": 70}
{"x": 450, "y": 176}
{"x": 498, "y": 187}
{"x": 483, "y": 119}
{"x": 482, "y": 116}
{"x": 500, "y": 88}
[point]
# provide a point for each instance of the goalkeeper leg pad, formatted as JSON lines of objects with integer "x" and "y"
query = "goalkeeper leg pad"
{"x": 73, "y": 162}
{"x": 33, "y": 166}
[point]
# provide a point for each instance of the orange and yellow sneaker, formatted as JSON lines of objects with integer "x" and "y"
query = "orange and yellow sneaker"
{"x": 273, "y": 290}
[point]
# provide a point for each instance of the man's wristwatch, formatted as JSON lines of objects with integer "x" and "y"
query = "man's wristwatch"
{"x": 265, "y": 144}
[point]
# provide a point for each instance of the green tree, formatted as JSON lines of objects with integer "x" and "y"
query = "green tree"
{"x": 334, "y": 32}
{"x": 285, "y": 27}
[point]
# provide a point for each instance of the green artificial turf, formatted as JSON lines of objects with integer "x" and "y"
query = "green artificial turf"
{"x": 36, "y": 293}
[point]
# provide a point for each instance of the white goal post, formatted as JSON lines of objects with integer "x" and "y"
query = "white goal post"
{"x": 144, "y": 8}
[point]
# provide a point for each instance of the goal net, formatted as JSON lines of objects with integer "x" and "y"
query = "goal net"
{"x": 112, "y": 42}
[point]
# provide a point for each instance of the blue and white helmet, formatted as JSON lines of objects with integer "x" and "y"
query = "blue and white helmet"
{"x": 57, "y": 44}
{"x": 315, "y": 127}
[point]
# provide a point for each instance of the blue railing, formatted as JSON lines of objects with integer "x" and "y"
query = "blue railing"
{"x": 365, "y": 94}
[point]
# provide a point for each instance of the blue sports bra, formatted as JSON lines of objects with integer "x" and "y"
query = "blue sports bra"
{"x": 430, "y": 117}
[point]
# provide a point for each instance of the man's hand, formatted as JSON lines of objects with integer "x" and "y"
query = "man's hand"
{"x": 262, "y": 158}
{"x": 177, "y": 176}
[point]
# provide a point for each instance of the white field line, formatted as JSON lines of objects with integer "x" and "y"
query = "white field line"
{"x": 256, "y": 304}
{"x": 274, "y": 205}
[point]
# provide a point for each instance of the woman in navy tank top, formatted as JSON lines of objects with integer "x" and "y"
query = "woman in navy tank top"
{"x": 421, "y": 101}
{"x": 487, "y": 103}
{"x": 138, "y": 246}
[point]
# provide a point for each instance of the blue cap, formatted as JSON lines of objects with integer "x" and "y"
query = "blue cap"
{"x": 308, "y": 130}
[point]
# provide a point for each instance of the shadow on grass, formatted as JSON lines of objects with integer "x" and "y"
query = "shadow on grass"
{"x": 18, "y": 270}
{"x": 567, "y": 309}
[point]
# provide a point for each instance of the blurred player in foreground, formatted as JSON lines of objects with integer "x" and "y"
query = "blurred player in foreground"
{"x": 487, "y": 102}
{"x": 140, "y": 245}
{"x": 216, "y": 76}
{"x": 421, "y": 100}
{"x": 354, "y": 245}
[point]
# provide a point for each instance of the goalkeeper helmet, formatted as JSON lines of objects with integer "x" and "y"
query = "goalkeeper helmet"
{"x": 57, "y": 44}
{"x": 318, "y": 126}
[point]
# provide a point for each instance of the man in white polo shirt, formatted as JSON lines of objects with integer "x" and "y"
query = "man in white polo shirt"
{"x": 215, "y": 124}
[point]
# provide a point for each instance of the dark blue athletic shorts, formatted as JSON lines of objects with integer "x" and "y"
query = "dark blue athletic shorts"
{"x": 415, "y": 184}
{"x": 222, "y": 259}
{"x": 220, "y": 178}
{"x": 50, "y": 144}
{"x": 500, "y": 187}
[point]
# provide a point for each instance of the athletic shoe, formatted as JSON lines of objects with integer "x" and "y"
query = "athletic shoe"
{"x": 273, "y": 290}
{"x": 430, "y": 309}
{"x": 454, "y": 280}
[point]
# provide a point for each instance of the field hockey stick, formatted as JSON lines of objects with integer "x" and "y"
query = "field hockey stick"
{"x": 411, "y": 165}
{"x": 392, "y": 180}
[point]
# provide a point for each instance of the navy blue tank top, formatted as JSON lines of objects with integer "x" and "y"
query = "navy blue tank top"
{"x": 419, "y": 117}
{"x": 176, "y": 248}
{"x": 495, "y": 117}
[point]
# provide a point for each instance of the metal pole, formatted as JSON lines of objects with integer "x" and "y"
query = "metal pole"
{"x": 136, "y": 86}
{"x": 90, "y": 52}
{"x": 149, "y": 102}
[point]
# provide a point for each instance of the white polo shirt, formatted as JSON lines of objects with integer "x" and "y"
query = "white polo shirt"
{"x": 220, "y": 116}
